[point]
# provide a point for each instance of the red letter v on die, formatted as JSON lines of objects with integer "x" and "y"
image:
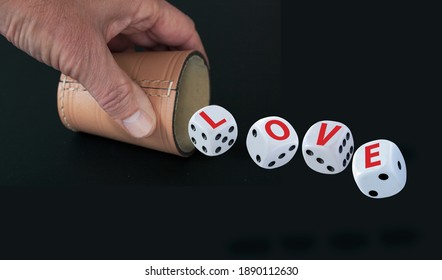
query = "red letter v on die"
{"x": 322, "y": 138}
{"x": 210, "y": 121}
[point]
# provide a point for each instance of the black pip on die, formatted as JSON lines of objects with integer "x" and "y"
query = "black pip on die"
{"x": 272, "y": 142}
{"x": 213, "y": 130}
{"x": 379, "y": 169}
{"x": 328, "y": 147}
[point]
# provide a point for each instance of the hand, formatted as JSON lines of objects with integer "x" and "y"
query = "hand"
{"x": 77, "y": 37}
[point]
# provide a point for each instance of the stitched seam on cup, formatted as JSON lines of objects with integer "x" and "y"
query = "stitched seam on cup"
{"x": 68, "y": 85}
{"x": 152, "y": 87}
{"x": 168, "y": 73}
{"x": 65, "y": 119}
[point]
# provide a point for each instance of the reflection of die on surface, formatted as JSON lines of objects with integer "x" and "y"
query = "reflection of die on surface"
{"x": 379, "y": 169}
{"x": 272, "y": 142}
{"x": 212, "y": 130}
{"x": 328, "y": 147}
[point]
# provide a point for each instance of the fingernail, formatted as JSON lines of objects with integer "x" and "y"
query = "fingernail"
{"x": 139, "y": 124}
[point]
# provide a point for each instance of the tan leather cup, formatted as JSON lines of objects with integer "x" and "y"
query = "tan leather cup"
{"x": 177, "y": 84}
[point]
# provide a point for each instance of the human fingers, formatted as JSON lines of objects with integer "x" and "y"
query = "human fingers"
{"x": 117, "y": 94}
{"x": 170, "y": 27}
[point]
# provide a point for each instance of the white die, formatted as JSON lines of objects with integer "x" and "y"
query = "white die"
{"x": 213, "y": 130}
{"x": 272, "y": 142}
{"x": 328, "y": 147}
{"x": 379, "y": 169}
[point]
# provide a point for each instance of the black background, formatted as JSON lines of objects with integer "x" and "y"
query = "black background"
{"x": 66, "y": 195}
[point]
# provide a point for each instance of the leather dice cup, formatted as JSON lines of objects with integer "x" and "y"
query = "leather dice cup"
{"x": 177, "y": 84}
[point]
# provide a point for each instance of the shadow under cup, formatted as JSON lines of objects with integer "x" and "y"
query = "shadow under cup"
{"x": 177, "y": 84}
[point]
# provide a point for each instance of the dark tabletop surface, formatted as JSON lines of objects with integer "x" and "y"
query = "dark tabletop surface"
{"x": 66, "y": 195}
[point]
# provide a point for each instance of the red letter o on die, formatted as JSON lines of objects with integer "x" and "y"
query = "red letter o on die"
{"x": 268, "y": 128}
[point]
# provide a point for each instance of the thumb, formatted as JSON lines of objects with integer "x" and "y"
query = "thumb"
{"x": 117, "y": 94}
